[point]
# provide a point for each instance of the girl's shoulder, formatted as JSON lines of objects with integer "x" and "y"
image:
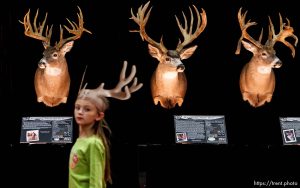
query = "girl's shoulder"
{"x": 90, "y": 141}
{"x": 94, "y": 140}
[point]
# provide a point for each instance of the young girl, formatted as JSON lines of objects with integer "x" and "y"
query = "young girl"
{"x": 89, "y": 163}
{"x": 90, "y": 155}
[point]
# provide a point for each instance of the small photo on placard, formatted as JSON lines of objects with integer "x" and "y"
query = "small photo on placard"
{"x": 181, "y": 137}
{"x": 32, "y": 135}
{"x": 289, "y": 135}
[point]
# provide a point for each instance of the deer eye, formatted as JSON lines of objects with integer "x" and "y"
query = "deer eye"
{"x": 55, "y": 55}
{"x": 168, "y": 59}
{"x": 264, "y": 54}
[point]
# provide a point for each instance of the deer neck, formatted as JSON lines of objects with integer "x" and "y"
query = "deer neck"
{"x": 259, "y": 69}
{"x": 260, "y": 74}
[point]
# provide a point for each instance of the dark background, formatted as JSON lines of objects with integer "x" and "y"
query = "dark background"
{"x": 143, "y": 133}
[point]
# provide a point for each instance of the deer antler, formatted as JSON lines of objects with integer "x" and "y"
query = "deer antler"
{"x": 37, "y": 32}
{"x": 285, "y": 31}
{"x": 77, "y": 30}
{"x": 244, "y": 27}
{"x": 141, "y": 20}
{"x": 187, "y": 32}
{"x": 117, "y": 91}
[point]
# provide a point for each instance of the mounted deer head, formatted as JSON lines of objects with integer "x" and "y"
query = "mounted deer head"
{"x": 52, "y": 79}
{"x": 168, "y": 82}
{"x": 121, "y": 91}
{"x": 257, "y": 79}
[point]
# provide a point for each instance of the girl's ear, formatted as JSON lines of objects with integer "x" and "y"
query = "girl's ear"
{"x": 100, "y": 116}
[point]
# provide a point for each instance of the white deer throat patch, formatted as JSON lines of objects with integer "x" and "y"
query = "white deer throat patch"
{"x": 53, "y": 71}
{"x": 264, "y": 69}
{"x": 169, "y": 75}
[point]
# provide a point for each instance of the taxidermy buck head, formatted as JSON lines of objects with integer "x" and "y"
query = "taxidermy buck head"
{"x": 168, "y": 82}
{"x": 257, "y": 79}
{"x": 52, "y": 79}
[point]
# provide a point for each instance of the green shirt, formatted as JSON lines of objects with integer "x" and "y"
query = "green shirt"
{"x": 87, "y": 163}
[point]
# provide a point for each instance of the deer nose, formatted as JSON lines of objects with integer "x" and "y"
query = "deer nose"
{"x": 180, "y": 68}
{"x": 42, "y": 64}
{"x": 278, "y": 64}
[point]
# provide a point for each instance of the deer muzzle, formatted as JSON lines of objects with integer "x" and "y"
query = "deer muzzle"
{"x": 42, "y": 64}
{"x": 277, "y": 63}
{"x": 180, "y": 68}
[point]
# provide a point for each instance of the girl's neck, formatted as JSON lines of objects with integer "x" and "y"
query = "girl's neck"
{"x": 86, "y": 131}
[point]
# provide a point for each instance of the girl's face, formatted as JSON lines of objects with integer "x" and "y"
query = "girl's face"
{"x": 86, "y": 112}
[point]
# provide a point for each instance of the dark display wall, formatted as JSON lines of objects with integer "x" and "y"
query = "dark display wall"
{"x": 143, "y": 133}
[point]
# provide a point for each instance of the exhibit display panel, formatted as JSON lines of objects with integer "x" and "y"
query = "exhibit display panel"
{"x": 43, "y": 130}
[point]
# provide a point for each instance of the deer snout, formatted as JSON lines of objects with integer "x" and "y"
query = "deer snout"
{"x": 42, "y": 64}
{"x": 277, "y": 63}
{"x": 180, "y": 68}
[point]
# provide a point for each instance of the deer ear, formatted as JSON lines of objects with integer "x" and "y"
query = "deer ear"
{"x": 186, "y": 53}
{"x": 154, "y": 52}
{"x": 67, "y": 47}
{"x": 249, "y": 46}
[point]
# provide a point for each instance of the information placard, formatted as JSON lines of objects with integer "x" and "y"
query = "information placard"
{"x": 290, "y": 129}
{"x": 39, "y": 130}
{"x": 200, "y": 129}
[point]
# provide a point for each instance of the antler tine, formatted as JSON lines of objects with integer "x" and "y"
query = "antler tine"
{"x": 244, "y": 27}
{"x": 261, "y": 35}
{"x": 285, "y": 31}
{"x": 117, "y": 91}
{"x": 187, "y": 32}
{"x": 272, "y": 34}
{"x": 134, "y": 87}
{"x": 37, "y": 32}
{"x": 142, "y": 20}
{"x": 76, "y": 30}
